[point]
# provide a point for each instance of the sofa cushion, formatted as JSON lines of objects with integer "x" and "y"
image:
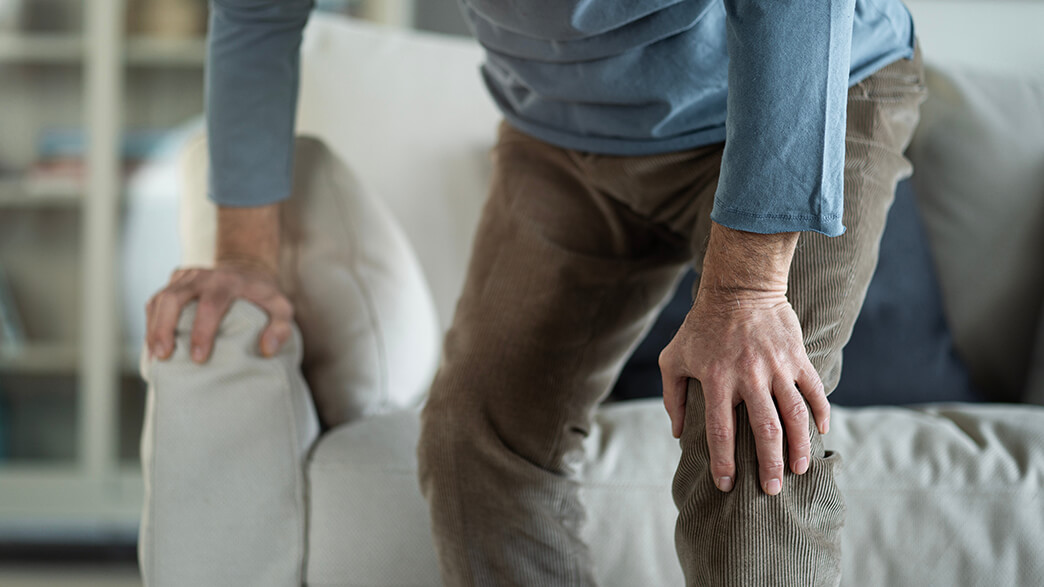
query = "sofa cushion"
{"x": 371, "y": 336}
{"x": 979, "y": 179}
{"x": 943, "y": 495}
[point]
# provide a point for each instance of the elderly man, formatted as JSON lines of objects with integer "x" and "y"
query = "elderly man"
{"x": 758, "y": 140}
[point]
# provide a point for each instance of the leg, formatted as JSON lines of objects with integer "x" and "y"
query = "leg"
{"x": 747, "y": 537}
{"x": 563, "y": 281}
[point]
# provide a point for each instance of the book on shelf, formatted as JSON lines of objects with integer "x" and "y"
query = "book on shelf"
{"x": 60, "y": 167}
{"x": 12, "y": 333}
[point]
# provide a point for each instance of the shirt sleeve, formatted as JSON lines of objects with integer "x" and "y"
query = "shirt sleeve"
{"x": 782, "y": 168}
{"x": 252, "y": 75}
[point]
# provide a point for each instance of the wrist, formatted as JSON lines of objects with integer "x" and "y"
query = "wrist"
{"x": 746, "y": 263}
{"x": 248, "y": 239}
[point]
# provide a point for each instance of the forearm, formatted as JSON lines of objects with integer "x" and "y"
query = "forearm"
{"x": 746, "y": 262}
{"x": 248, "y": 238}
{"x": 252, "y": 78}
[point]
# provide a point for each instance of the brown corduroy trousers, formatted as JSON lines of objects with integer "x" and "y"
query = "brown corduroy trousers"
{"x": 575, "y": 254}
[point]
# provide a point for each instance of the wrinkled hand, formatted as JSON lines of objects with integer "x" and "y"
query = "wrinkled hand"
{"x": 216, "y": 289}
{"x": 746, "y": 346}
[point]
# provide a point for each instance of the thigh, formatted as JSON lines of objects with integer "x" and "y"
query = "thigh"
{"x": 562, "y": 283}
{"x": 829, "y": 275}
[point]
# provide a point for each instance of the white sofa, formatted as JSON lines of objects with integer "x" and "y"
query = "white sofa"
{"x": 245, "y": 487}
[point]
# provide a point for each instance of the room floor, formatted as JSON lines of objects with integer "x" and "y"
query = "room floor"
{"x": 69, "y": 575}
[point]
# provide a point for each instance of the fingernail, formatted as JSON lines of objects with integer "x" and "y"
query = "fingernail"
{"x": 197, "y": 353}
{"x": 826, "y": 425}
{"x": 725, "y": 483}
{"x": 772, "y": 487}
{"x": 801, "y": 465}
{"x": 162, "y": 350}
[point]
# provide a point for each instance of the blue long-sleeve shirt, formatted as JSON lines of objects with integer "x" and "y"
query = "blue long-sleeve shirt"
{"x": 623, "y": 77}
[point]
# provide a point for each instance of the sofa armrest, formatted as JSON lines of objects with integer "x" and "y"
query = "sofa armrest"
{"x": 223, "y": 453}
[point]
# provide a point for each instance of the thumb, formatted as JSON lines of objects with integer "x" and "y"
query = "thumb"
{"x": 675, "y": 389}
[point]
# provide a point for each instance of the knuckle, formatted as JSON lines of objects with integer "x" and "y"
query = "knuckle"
{"x": 280, "y": 307}
{"x": 664, "y": 358}
{"x": 224, "y": 276}
{"x": 714, "y": 378}
{"x": 215, "y": 298}
{"x": 756, "y": 383}
{"x": 719, "y": 433}
{"x": 769, "y": 430}
{"x": 812, "y": 377}
{"x": 721, "y": 465}
{"x": 798, "y": 411}
{"x": 748, "y": 361}
{"x": 772, "y": 463}
{"x": 817, "y": 388}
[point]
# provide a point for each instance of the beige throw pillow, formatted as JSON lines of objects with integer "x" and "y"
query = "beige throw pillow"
{"x": 979, "y": 177}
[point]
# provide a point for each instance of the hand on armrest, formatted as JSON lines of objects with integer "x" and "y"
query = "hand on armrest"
{"x": 246, "y": 266}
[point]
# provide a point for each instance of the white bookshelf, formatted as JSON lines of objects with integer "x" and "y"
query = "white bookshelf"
{"x": 112, "y": 81}
{"x": 92, "y": 493}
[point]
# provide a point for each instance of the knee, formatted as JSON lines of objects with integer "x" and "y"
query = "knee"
{"x": 810, "y": 500}
{"x": 478, "y": 421}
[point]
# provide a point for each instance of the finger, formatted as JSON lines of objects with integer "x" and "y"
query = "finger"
{"x": 209, "y": 313}
{"x": 811, "y": 386}
{"x": 167, "y": 310}
{"x": 274, "y": 336}
{"x": 280, "y": 313}
{"x": 179, "y": 275}
{"x": 150, "y": 321}
{"x": 675, "y": 388}
{"x": 768, "y": 436}
{"x": 795, "y": 420}
{"x": 721, "y": 441}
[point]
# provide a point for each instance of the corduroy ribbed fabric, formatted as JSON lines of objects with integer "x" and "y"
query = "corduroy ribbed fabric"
{"x": 574, "y": 255}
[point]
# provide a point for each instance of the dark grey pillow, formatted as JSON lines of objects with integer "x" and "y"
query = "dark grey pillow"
{"x": 901, "y": 351}
{"x": 1035, "y": 381}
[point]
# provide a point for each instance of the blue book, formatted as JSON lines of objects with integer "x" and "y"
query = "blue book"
{"x": 12, "y": 333}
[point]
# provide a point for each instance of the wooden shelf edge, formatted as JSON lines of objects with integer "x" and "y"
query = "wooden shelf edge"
{"x": 22, "y": 193}
{"x": 70, "y": 49}
{"x": 56, "y": 358}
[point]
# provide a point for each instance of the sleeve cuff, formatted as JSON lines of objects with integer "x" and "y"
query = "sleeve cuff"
{"x": 776, "y": 223}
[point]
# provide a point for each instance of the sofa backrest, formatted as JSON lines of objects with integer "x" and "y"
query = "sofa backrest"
{"x": 978, "y": 159}
{"x": 408, "y": 111}
{"x": 994, "y": 35}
